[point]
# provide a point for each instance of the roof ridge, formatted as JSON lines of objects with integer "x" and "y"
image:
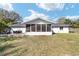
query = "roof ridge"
{"x": 39, "y": 18}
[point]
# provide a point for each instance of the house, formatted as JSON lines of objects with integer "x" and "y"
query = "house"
{"x": 39, "y": 26}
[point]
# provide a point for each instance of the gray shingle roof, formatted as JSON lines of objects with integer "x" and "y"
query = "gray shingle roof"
{"x": 67, "y": 25}
{"x": 18, "y": 25}
{"x": 38, "y": 19}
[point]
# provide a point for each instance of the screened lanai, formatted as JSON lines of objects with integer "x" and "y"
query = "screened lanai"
{"x": 38, "y": 27}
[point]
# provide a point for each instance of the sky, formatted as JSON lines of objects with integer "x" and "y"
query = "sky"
{"x": 51, "y": 11}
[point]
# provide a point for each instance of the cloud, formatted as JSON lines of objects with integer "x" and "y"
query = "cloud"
{"x": 51, "y": 6}
{"x": 34, "y": 15}
{"x": 67, "y": 8}
{"x": 72, "y": 6}
{"x": 6, "y": 6}
{"x": 72, "y": 17}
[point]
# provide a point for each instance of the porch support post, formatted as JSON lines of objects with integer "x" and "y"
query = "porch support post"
{"x": 41, "y": 28}
{"x": 35, "y": 27}
{"x": 51, "y": 27}
{"x": 30, "y": 27}
{"x": 46, "y": 27}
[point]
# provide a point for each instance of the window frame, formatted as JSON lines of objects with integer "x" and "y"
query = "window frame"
{"x": 48, "y": 30}
{"x": 61, "y": 27}
{"x": 38, "y": 28}
{"x": 33, "y": 28}
{"x": 28, "y": 29}
{"x": 44, "y": 28}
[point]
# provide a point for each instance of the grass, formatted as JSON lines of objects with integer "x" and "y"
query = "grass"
{"x": 55, "y": 45}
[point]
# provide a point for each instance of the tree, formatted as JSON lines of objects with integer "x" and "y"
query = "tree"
{"x": 67, "y": 21}
{"x": 10, "y": 15}
{"x": 74, "y": 23}
{"x": 8, "y": 18}
{"x": 61, "y": 20}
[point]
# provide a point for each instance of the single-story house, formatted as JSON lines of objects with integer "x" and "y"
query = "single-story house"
{"x": 39, "y": 26}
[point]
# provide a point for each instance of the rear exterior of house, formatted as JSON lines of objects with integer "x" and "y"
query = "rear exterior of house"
{"x": 60, "y": 28}
{"x": 39, "y": 26}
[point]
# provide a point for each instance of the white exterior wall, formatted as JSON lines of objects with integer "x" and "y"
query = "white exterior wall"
{"x": 54, "y": 29}
{"x": 38, "y": 33}
{"x": 57, "y": 30}
{"x": 34, "y": 33}
{"x": 22, "y": 29}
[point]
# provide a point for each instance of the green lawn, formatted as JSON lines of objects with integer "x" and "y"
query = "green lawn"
{"x": 55, "y": 45}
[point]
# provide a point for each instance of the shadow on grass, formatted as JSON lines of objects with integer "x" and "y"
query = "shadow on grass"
{"x": 16, "y": 52}
{"x": 3, "y": 48}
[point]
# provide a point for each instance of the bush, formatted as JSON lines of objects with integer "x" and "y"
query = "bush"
{"x": 71, "y": 32}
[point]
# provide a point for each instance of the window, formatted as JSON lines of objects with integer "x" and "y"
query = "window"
{"x": 43, "y": 27}
{"x": 17, "y": 32}
{"x": 27, "y": 27}
{"x": 61, "y": 28}
{"x": 33, "y": 27}
{"x": 38, "y": 27}
{"x": 48, "y": 27}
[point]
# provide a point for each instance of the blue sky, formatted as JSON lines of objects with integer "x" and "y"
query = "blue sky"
{"x": 52, "y": 10}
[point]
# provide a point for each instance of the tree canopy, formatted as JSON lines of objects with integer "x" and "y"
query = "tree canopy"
{"x": 74, "y": 23}
{"x": 8, "y": 18}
